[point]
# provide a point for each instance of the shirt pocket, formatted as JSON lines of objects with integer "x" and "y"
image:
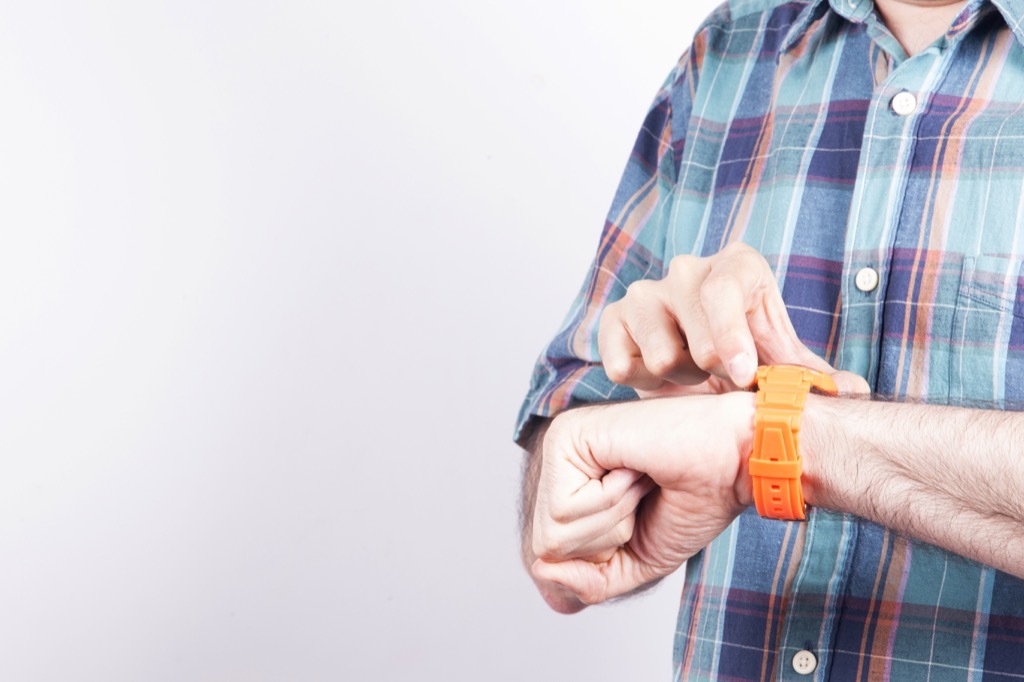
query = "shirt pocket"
{"x": 987, "y": 341}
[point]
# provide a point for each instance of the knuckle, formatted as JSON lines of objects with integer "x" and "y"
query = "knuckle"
{"x": 561, "y": 424}
{"x": 555, "y": 432}
{"x": 551, "y": 547}
{"x": 741, "y": 257}
{"x": 560, "y": 431}
{"x": 610, "y": 313}
{"x": 758, "y": 259}
{"x": 681, "y": 265}
{"x": 663, "y": 361}
{"x": 620, "y": 368}
{"x": 751, "y": 259}
{"x": 559, "y": 511}
{"x": 640, "y": 289}
{"x": 758, "y": 263}
{"x": 739, "y": 248}
{"x": 712, "y": 290}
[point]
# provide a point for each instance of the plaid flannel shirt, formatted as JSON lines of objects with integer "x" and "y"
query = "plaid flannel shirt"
{"x": 804, "y": 130}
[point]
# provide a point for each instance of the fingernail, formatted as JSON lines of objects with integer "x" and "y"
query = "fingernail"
{"x": 742, "y": 369}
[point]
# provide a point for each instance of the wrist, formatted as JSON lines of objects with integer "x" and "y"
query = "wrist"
{"x": 782, "y": 485}
{"x": 819, "y": 444}
{"x": 744, "y": 408}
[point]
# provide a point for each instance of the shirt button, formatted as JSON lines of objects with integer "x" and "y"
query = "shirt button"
{"x": 804, "y": 662}
{"x": 904, "y": 103}
{"x": 867, "y": 279}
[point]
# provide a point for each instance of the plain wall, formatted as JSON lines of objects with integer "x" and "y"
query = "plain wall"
{"x": 273, "y": 276}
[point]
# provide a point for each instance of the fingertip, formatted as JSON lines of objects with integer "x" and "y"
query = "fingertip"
{"x": 548, "y": 572}
{"x": 850, "y": 384}
{"x": 619, "y": 480}
{"x": 743, "y": 369}
{"x": 555, "y": 572}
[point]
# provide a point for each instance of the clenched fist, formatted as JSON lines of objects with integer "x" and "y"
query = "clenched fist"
{"x": 693, "y": 449}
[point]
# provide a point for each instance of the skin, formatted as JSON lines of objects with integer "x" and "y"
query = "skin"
{"x": 948, "y": 476}
{"x": 917, "y": 24}
{"x": 704, "y": 328}
{"x": 610, "y": 505}
{"x": 698, "y": 333}
{"x": 620, "y": 495}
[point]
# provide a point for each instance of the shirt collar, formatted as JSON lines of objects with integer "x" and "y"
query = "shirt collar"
{"x": 1013, "y": 14}
{"x": 857, "y": 11}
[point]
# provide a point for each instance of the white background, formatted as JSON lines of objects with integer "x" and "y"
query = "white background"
{"x": 273, "y": 276}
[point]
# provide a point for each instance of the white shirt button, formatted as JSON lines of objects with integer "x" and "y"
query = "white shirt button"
{"x": 867, "y": 279}
{"x": 804, "y": 662}
{"x": 904, "y": 103}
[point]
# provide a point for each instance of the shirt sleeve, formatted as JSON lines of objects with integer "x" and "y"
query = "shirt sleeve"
{"x": 568, "y": 372}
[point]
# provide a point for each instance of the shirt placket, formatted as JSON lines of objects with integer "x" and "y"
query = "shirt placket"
{"x": 813, "y": 604}
{"x": 887, "y": 152}
{"x": 884, "y": 168}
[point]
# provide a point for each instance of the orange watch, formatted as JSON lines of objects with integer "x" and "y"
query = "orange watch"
{"x": 775, "y": 464}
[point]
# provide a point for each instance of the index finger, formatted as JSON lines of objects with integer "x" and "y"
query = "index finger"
{"x": 736, "y": 285}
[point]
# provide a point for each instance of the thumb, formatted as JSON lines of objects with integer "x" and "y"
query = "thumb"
{"x": 777, "y": 340}
{"x": 848, "y": 383}
{"x": 808, "y": 358}
{"x": 851, "y": 384}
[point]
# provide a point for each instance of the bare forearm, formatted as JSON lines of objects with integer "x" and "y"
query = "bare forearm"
{"x": 952, "y": 477}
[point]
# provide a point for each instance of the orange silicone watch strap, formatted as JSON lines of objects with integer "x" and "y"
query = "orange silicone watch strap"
{"x": 775, "y": 464}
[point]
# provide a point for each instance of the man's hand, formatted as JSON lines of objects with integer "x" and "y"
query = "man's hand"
{"x": 692, "y": 448}
{"x": 601, "y": 529}
{"x": 595, "y": 520}
{"x": 706, "y": 326}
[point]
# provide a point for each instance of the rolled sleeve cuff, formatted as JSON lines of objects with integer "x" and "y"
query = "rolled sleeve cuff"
{"x": 556, "y": 389}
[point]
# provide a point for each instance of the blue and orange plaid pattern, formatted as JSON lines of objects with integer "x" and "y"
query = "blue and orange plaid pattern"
{"x": 777, "y": 128}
